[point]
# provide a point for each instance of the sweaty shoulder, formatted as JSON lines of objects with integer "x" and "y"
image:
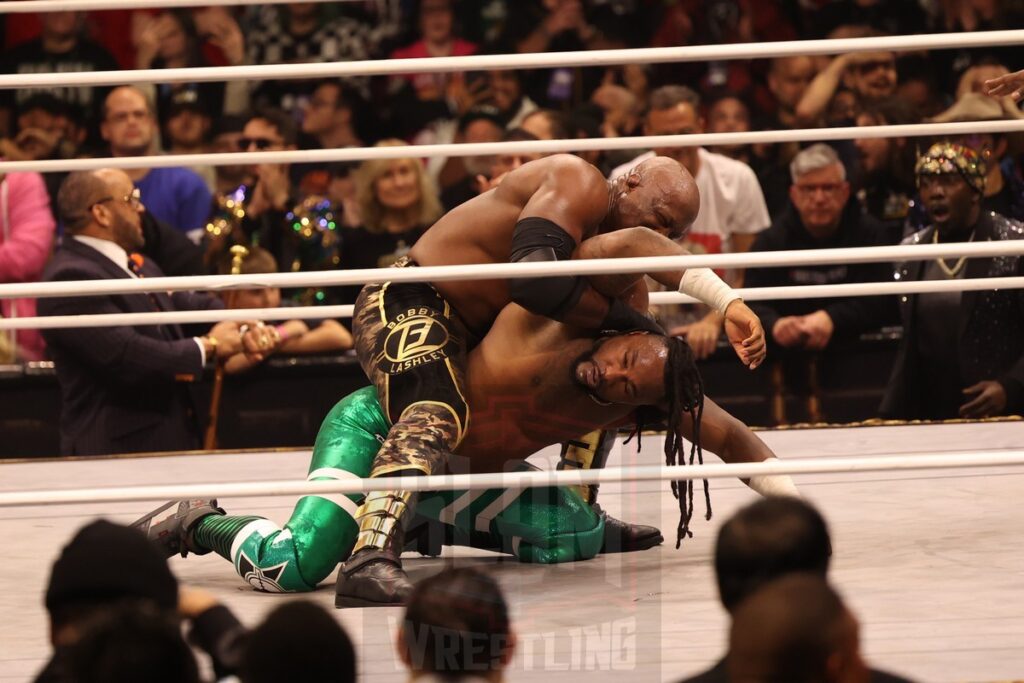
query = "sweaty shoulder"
{"x": 562, "y": 184}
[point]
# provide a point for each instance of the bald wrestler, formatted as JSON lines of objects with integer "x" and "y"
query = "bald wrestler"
{"x": 532, "y": 382}
{"x": 412, "y": 339}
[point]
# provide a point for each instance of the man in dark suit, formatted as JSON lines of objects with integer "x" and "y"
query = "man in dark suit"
{"x": 122, "y": 388}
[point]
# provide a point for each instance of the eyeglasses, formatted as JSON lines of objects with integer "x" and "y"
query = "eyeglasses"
{"x": 811, "y": 188}
{"x": 258, "y": 143}
{"x": 132, "y": 199}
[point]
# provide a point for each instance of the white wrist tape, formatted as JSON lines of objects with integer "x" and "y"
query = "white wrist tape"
{"x": 703, "y": 285}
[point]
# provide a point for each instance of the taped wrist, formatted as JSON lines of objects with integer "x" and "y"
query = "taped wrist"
{"x": 538, "y": 239}
{"x": 624, "y": 318}
{"x": 702, "y": 284}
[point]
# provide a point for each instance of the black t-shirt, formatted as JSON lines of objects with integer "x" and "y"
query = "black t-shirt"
{"x": 30, "y": 57}
{"x": 361, "y": 248}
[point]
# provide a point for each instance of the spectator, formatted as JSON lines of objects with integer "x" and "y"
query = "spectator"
{"x": 26, "y": 236}
{"x": 821, "y": 216}
{"x": 333, "y": 117}
{"x": 732, "y": 208}
{"x": 887, "y": 168}
{"x": 621, "y": 110}
{"x": 187, "y": 130}
{"x": 120, "y": 390}
{"x": 545, "y": 124}
{"x": 298, "y": 641}
{"x": 47, "y": 128}
{"x": 132, "y": 642}
{"x": 501, "y": 89}
{"x": 83, "y": 589}
{"x": 422, "y": 98}
{"x": 962, "y": 354}
{"x": 729, "y": 113}
{"x": 297, "y": 337}
{"x": 272, "y": 201}
{"x": 796, "y": 629}
{"x": 554, "y": 26}
{"x": 176, "y": 196}
{"x": 870, "y": 77}
{"x": 170, "y": 40}
{"x": 456, "y": 627}
{"x": 302, "y": 32}
{"x": 1004, "y": 187}
{"x": 769, "y": 539}
{"x": 461, "y": 177}
{"x": 60, "y": 48}
{"x": 503, "y": 163}
{"x": 788, "y": 80}
{"x": 888, "y": 16}
{"x": 397, "y": 202}
{"x": 227, "y": 136}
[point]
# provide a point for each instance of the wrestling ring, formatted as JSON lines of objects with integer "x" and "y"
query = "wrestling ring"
{"x": 925, "y": 518}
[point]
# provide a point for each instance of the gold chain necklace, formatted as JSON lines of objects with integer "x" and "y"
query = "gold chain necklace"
{"x": 955, "y": 270}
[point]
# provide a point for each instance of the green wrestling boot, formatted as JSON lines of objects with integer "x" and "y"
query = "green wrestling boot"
{"x": 171, "y": 524}
{"x": 373, "y": 575}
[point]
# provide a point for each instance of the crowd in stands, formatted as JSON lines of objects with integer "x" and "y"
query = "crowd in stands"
{"x": 316, "y": 216}
{"x": 771, "y": 561}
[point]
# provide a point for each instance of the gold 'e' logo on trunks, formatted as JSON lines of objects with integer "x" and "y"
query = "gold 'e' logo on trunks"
{"x": 414, "y": 337}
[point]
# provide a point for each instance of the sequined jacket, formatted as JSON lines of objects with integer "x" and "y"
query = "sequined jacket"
{"x": 990, "y": 327}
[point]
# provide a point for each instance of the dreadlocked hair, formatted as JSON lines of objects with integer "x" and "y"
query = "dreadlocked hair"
{"x": 684, "y": 393}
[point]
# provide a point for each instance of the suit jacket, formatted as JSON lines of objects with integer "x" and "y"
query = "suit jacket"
{"x": 121, "y": 387}
{"x": 990, "y": 327}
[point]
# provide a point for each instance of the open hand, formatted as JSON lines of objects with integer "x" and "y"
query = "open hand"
{"x": 1010, "y": 85}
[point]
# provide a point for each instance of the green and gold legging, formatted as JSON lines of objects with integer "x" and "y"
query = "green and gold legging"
{"x": 543, "y": 525}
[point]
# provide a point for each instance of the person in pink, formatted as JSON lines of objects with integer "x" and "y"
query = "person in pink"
{"x": 436, "y": 24}
{"x": 26, "y": 236}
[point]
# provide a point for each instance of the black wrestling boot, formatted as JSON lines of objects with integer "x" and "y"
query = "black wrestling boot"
{"x": 372, "y": 578}
{"x": 171, "y": 524}
{"x": 620, "y": 537}
{"x": 373, "y": 575}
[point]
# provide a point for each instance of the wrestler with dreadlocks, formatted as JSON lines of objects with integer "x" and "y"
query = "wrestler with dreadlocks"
{"x": 531, "y": 382}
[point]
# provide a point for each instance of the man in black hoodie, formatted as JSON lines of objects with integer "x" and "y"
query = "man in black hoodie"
{"x": 821, "y": 216}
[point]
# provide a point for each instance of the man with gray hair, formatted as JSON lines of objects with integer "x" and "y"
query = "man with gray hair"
{"x": 732, "y": 207}
{"x": 820, "y": 215}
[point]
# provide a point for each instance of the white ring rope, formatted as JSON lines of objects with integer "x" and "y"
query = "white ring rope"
{"x": 494, "y": 271}
{"x": 639, "y": 142}
{"x": 32, "y": 6}
{"x": 322, "y": 312}
{"x": 540, "y": 60}
{"x": 517, "y": 480}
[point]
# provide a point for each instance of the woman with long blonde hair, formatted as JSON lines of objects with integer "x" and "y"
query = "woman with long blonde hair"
{"x": 397, "y": 203}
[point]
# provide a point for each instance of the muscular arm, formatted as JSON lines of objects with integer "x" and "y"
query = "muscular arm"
{"x": 727, "y": 437}
{"x": 572, "y": 198}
